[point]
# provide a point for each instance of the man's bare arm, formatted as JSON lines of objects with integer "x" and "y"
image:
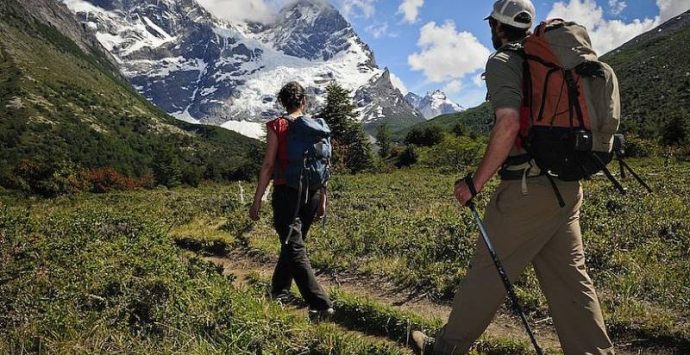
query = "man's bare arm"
{"x": 501, "y": 141}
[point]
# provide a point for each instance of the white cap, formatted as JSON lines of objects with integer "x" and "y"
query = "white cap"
{"x": 516, "y": 13}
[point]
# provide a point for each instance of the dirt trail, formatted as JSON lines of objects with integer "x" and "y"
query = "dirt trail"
{"x": 242, "y": 265}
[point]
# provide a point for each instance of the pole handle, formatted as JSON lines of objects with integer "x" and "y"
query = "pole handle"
{"x": 469, "y": 181}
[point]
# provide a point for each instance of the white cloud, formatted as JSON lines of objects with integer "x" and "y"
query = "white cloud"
{"x": 240, "y": 10}
{"x": 364, "y": 8}
{"x": 478, "y": 79}
{"x": 399, "y": 84}
{"x": 606, "y": 34}
{"x": 453, "y": 87}
{"x": 410, "y": 10}
{"x": 617, "y": 6}
{"x": 380, "y": 30}
{"x": 671, "y": 8}
{"x": 447, "y": 54}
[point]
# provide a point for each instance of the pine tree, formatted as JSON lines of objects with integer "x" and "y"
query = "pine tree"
{"x": 167, "y": 168}
{"x": 384, "y": 139}
{"x": 339, "y": 112}
{"x": 359, "y": 151}
{"x": 676, "y": 131}
{"x": 352, "y": 149}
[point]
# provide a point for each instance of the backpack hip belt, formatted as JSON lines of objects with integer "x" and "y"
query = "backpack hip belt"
{"x": 520, "y": 167}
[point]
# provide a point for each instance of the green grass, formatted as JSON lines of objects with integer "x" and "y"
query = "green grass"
{"x": 371, "y": 317}
{"x": 402, "y": 228}
{"x": 88, "y": 276}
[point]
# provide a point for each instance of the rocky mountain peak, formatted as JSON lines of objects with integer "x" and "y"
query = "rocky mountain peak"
{"x": 381, "y": 100}
{"x": 434, "y": 104}
{"x": 438, "y": 94}
{"x": 308, "y": 9}
{"x": 312, "y": 29}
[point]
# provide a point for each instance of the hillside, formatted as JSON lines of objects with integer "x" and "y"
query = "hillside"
{"x": 477, "y": 120}
{"x": 654, "y": 74}
{"x": 65, "y": 109}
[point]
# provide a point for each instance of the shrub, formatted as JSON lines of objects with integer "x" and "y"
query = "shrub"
{"x": 639, "y": 147}
{"x": 103, "y": 180}
{"x": 427, "y": 137}
{"x": 460, "y": 130}
{"x": 407, "y": 157}
{"x": 47, "y": 179}
{"x": 192, "y": 175}
{"x": 167, "y": 167}
{"x": 454, "y": 152}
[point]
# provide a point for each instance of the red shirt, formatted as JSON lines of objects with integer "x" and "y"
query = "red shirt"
{"x": 280, "y": 127}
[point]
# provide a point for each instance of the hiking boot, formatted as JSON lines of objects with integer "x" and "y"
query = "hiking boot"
{"x": 422, "y": 344}
{"x": 283, "y": 297}
{"x": 316, "y": 316}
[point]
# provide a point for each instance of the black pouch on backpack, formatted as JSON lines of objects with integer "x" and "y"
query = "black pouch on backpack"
{"x": 565, "y": 152}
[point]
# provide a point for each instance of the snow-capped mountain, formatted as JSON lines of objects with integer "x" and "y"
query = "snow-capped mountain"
{"x": 202, "y": 69}
{"x": 379, "y": 99}
{"x": 433, "y": 104}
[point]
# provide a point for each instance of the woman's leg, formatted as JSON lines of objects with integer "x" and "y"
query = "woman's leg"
{"x": 283, "y": 212}
{"x": 302, "y": 271}
{"x": 282, "y": 278}
{"x": 292, "y": 249}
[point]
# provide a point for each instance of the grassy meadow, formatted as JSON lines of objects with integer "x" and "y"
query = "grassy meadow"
{"x": 123, "y": 271}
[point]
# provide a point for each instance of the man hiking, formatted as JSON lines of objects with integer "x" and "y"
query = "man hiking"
{"x": 523, "y": 217}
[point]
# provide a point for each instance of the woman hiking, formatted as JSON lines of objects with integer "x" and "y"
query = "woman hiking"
{"x": 296, "y": 203}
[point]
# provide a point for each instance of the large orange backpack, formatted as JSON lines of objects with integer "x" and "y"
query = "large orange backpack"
{"x": 571, "y": 107}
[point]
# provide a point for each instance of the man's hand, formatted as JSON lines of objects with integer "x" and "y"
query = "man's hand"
{"x": 321, "y": 211}
{"x": 462, "y": 193}
{"x": 254, "y": 210}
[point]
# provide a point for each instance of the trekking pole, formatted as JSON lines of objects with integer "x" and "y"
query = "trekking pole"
{"x": 499, "y": 266}
{"x": 637, "y": 177}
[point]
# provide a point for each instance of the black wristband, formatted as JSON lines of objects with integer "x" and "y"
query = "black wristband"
{"x": 470, "y": 185}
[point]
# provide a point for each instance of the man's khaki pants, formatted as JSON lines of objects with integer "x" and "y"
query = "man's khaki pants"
{"x": 530, "y": 228}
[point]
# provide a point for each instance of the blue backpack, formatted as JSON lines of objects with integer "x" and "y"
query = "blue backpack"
{"x": 309, "y": 153}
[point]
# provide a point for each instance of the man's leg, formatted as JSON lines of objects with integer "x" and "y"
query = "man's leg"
{"x": 513, "y": 223}
{"x": 573, "y": 303}
{"x": 475, "y": 303}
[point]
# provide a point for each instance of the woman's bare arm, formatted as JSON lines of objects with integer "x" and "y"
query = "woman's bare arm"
{"x": 265, "y": 173}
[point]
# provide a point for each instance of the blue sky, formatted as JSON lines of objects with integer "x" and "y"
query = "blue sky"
{"x": 449, "y": 35}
